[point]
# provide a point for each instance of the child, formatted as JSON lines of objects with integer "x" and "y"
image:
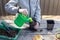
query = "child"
{"x": 27, "y": 7}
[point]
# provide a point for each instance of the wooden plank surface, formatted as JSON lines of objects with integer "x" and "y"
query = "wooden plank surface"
{"x": 58, "y": 11}
{"x": 42, "y": 6}
{"x": 50, "y": 7}
{"x": 55, "y": 7}
{"x": 46, "y": 7}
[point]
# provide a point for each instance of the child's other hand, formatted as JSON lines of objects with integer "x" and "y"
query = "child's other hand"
{"x": 24, "y": 11}
{"x": 36, "y": 26}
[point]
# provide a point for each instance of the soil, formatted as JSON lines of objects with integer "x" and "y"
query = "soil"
{"x": 12, "y": 33}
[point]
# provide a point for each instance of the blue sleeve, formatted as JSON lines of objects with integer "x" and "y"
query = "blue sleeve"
{"x": 10, "y": 6}
{"x": 38, "y": 12}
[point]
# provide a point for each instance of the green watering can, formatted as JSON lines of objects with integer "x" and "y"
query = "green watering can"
{"x": 21, "y": 19}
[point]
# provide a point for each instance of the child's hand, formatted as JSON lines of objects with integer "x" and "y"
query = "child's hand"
{"x": 24, "y": 11}
{"x": 36, "y": 26}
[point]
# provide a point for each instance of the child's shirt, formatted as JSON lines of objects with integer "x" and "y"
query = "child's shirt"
{"x": 32, "y": 6}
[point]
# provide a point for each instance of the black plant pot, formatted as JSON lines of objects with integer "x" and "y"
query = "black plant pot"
{"x": 50, "y": 24}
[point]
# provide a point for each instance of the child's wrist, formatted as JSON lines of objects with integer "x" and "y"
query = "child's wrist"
{"x": 18, "y": 10}
{"x": 38, "y": 23}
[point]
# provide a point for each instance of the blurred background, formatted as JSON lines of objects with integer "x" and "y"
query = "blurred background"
{"x": 50, "y": 9}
